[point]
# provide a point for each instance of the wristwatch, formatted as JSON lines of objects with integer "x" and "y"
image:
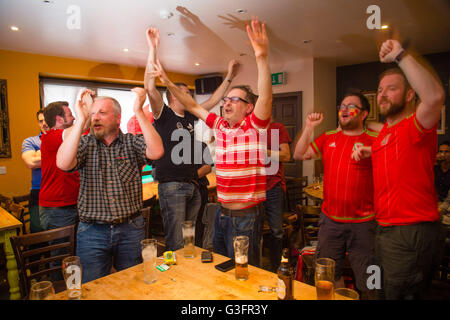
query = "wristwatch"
{"x": 400, "y": 56}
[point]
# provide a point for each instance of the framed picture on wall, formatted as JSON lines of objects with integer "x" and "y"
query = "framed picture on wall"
{"x": 441, "y": 127}
{"x": 372, "y": 97}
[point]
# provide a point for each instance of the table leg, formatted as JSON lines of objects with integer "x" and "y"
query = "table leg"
{"x": 11, "y": 265}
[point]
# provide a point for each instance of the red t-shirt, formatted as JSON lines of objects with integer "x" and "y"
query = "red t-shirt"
{"x": 348, "y": 184}
{"x": 133, "y": 125}
{"x": 283, "y": 137}
{"x": 403, "y": 157}
{"x": 58, "y": 188}
{"x": 240, "y": 157}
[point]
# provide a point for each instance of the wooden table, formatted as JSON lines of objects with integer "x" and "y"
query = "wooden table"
{"x": 151, "y": 189}
{"x": 8, "y": 229}
{"x": 190, "y": 279}
{"x": 314, "y": 191}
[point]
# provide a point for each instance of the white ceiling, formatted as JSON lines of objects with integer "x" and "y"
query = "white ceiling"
{"x": 211, "y": 32}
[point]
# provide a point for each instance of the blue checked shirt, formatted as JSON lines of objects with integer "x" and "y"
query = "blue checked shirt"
{"x": 110, "y": 177}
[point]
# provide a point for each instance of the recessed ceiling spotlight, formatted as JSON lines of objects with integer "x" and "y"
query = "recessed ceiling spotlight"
{"x": 384, "y": 27}
{"x": 197, "y": 64}
{"x": 47, "y": 1}
{"x": 125, "y": 50}
{"x": 242, "y": 11}
{"x": 14, "y": 28}
{"x": 170, "y": 34}
{"x": 307, "y": 41}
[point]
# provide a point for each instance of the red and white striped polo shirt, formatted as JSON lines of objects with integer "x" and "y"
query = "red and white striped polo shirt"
{"x": 240, "y": 156}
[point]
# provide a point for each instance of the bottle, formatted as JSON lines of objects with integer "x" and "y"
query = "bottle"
{"x": 285, "y": 288}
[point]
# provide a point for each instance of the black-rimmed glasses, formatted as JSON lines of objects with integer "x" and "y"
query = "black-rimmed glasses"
{"x": 349, "y": 107}
{"x": 233, "y": 99}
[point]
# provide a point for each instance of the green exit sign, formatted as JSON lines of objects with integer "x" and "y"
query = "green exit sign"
{"x": 278, "y": 78}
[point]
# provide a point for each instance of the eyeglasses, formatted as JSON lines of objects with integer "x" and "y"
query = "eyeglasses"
{"x": 349, "y": 107}
{"x": 233, "y": 99}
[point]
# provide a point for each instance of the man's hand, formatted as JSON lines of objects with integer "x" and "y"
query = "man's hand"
{"x": 233, "y": 67}
{"x": 258, "y": 38}
{"x": 140, "y": 99}
{"x": 87, "y": 98}
{"x": 361, "y": 152}
{"x": 314, "y": 119}
{"x": 389, "y": 50}
{"x": 159, "y": 72}
{"x": 153, "y": 38}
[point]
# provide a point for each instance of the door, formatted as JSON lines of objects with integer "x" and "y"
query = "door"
{"x": 287, "y": 110}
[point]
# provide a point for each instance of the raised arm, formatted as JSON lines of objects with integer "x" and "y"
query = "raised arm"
{"x": 422, "y": 79}
{"x": 191, "y": 105}
{"x": 156, "y": 100}
{"x": 153, "y": 141}
{"x": 260, "y": 43}
{"x": 303, "y": 150}
{"x": 233, "y": 66}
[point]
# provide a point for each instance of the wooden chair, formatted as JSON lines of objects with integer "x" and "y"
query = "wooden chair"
{"x": 33, "y": 256}
{"x": 146, "y": 213}
{"x": 24, "y": 201}
{"x": 295, "y": 193}
{"x": 5, "y": 202}
{"x": 308, "y": 217}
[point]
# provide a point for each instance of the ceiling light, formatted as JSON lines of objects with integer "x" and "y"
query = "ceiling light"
{"x": 165, "y": 14}
{"x": 170, "y": 34}
{"x": 197, "y": 64}
{"x": 125, "y": 50}
{"x": 384, "y": 26}
{"x": 14, "y": 28}
{"x": 242, "y": 11}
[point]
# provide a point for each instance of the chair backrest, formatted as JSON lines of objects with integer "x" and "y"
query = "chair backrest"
{"x": 295, "y": 193}
{"x": 5, "y": 202}
{"x": 33, "y": 254}
{"x": 308, "y": 217}
{"x": 21, "y": 213}
{"x": 146, "y": 213}
{"x": 24, "y": 201}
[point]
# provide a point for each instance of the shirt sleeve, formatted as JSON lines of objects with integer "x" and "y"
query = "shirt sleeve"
{"x": 81, "y": 153}
{"x": 28, "y": 145}
{"x": 211, "y": 120}
{"x": 258, "y": 123}
{"x": 417, "y": 133}
{"x": 318, "y": 144}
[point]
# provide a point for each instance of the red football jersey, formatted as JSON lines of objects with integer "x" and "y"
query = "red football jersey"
{"x": 403, "y": 157}
{"x": 348, "y": 184}
{"x": 58, "y": 188}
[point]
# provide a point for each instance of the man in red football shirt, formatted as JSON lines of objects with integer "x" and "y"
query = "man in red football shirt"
{"x": 408, "y": 236}
{"x": 346, "y": 222}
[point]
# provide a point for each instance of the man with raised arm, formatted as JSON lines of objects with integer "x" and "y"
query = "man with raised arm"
{"x": 109, "y": 162}
{"x": 240, "y": 170}
{"x": 408, "y": 234}
{"x": 176, "y": 172}
{"x": 346, "y": 222}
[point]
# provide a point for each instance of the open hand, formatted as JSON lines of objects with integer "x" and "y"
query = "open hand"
{"x": 159, "y": 72}
{"x": 140, "y": 98}
{"x": 258, "y": 38}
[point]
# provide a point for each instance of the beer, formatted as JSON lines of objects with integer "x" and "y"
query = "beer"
{"x": 285, "y": 288}
{"x": 241, "y": 268}
{"x": 189, "y": 251}
{"x": 324, "y": 290}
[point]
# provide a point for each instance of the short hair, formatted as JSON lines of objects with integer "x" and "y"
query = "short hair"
{"x": 398, "y": 71}
{"x": 52, "y": 110}
{"x": 364, "y": 102}
{"x": 116, "y": 105}
{"x": 445, "y": 143}
{"x": 39, "y": 112}
{"x": 169, "y": 94}
{"x": 249, "y": 95}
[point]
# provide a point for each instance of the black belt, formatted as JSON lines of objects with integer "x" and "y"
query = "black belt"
{"x": 113, "y": 222}
{"x": 239, "y": 212}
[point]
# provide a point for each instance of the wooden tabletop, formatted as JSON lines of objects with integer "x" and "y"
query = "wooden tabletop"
{"x": 151, "y": 189}
{"x": 8, "y": 221}
{"x": 190, "y": 279}
{"x": 314, "y": 191}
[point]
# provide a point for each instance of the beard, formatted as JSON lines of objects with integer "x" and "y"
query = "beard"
{"x": 352, "y": 124}
{"x": 103, "y": 132}
{"x": 394, "y": 108}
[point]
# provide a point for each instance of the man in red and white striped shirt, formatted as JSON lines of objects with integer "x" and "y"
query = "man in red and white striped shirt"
{"x": 347, "y": 219}
{"x": 240, "y": 151}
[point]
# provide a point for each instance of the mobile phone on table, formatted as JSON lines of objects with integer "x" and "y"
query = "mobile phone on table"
{"x": 207, "y": 256}
{"x": 225, "y": 266}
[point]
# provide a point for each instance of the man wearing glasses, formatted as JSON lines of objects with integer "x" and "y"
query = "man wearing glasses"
{"x": 441, "y": 171}
{"x": 347, "y": 218}
{"x": 179, "y": 196}
{"x": 240, "y": 155}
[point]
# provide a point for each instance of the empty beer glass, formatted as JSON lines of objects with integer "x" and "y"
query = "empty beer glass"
{"x": 149, "y": 253}
{"x": 71, "y": 268}
{"x": 241, "y": 257}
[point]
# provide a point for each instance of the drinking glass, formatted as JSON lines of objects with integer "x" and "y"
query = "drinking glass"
{"x": 188, "y": 229}
{"x": 72, "y": 271}
{"x": 241, "y": 257}
{"x": 42, "y": 291}
{"x": 345, "y": 294}
{"x": 149, "y": 253}
{"x": 324, "y": 278}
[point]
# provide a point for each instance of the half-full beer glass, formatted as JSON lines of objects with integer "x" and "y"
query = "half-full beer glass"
{"x": 241, "y": 257}
{"x": 188, "y": 229}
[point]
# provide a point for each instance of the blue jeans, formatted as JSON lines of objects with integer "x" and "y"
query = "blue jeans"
{"x": 98, "y": 245}
{"x": 179, "y": 201}
{"x": 57, "y": 217}
{"x": 273, "y": 207}
{"x": 227, "y": 227}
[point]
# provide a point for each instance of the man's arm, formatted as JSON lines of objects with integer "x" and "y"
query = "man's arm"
{"x": 303, "y": 150}
{"x": 156, "y": 100}
{"x": 32, "y": 159}
{"x": 423, "y": 80}
{"x": 282, "y": 155}
{"x": 260, "y": 43}
{"x": 204, "y": 170}
{"x": 153, "y": 141}
{"x": 220, "y": 91}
